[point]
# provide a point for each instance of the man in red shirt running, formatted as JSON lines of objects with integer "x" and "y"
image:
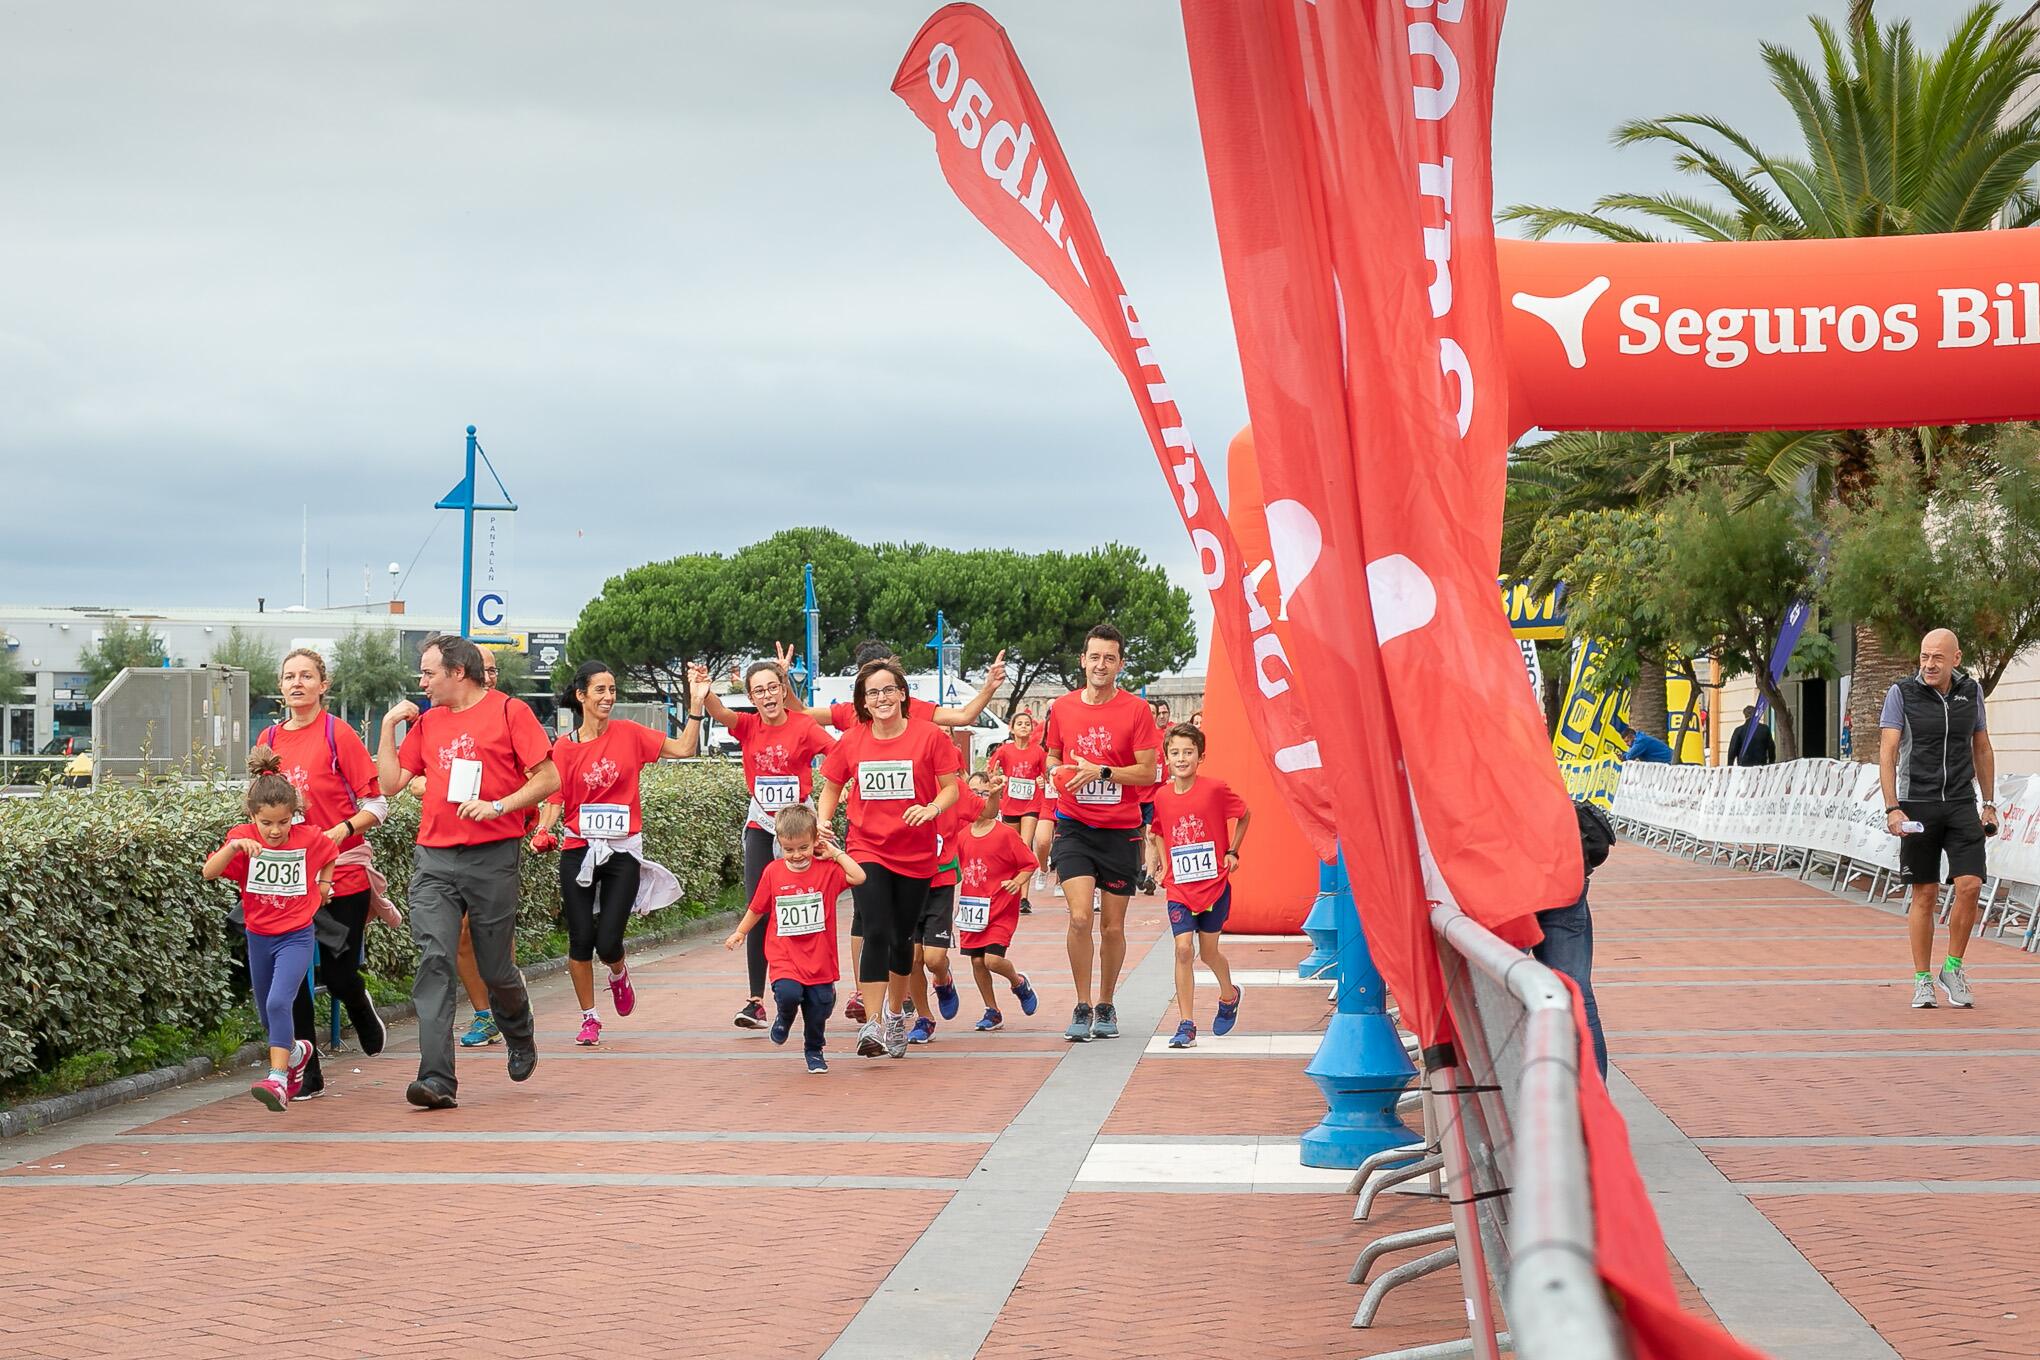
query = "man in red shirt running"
{"x": 1103, "y": 747}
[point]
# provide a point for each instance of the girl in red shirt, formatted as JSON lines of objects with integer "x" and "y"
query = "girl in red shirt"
{"x": 994, "y": 867}
{"x": 285, "y": 868}
{"x": 898, "y": 776}
{"x": 1024, "y": 763}
{"x": 326, "y": 762}
{"x": 604, "y": 875}
{"x": 1194, "y": 847}
{"x": 779, "y": 744}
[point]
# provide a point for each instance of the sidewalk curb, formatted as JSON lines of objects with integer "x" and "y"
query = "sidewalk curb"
{"x": 39, "y": 1115}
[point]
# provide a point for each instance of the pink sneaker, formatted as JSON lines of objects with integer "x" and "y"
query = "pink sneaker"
{"x": 591, "y": 1032}
{"x": 621, "y": 992}
{"x": 272, "y": 1093}
{"x": 300, "y": 1059}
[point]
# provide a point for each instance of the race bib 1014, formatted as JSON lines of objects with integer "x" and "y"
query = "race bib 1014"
{"x": 776, "y": 792}
{"x": 973, "y": 913}
{"x": 1100, "y": 792}
{"x": 885, "y": 781}
{"x": 278, "y": 873}
{"x": 604, "y": 821}
{"x": 795, "y": 914}
{"x": 1194, "y": 863}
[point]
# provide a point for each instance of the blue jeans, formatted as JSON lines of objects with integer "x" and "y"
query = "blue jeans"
{"x": 1568, "y": 947}
{"x": 814, "y": 1000}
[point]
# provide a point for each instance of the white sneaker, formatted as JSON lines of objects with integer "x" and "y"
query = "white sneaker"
{"x": 1955, "y": 982}
{"x": 1040, "y": 881}
{"x": 1058, "y": 889}
{"x": 1923, "y": 994}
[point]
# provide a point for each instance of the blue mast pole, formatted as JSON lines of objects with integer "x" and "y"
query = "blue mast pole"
{"x": 467, "y": 540}
{"x": 814, "y": 632}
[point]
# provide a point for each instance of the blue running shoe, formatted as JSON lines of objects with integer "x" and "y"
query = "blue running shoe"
{"x": 992, "y": 1020}
{"x": 1186, "y": 1036}
{"x": 782, "y": 1025}
{"x": 1024, "y": 990}
{"x": 945, "y": 1001}
{"x": 924, "y": 1030}
{"x": 817, "y": 1064}
{"x": 481, "y": 1030}
{"x": 1228, "y": 1013}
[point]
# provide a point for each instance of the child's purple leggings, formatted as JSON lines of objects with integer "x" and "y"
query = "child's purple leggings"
{"x": 277, "y": 965}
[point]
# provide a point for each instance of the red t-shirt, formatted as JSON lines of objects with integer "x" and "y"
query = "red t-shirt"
{"x": 1022, "y": 765}
{"x": 805, "y": 904}
{"x": 988, "y": 861}
{"x": 1112, "y": 733}
{"x": 843, "y": 716}
{"x": 948, "y": 827}
{"x": 884, "y": 776}
{"x": 603, "y": 775}
{"x": 501, "y": 734}
{"x": 776, "y": 754}
{"x": 1194, "y": 827}
{"x": 309, "y": 764}
{"x": 273, "y": 913}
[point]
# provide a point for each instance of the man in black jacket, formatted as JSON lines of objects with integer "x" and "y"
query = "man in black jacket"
{"x": 1934, "y": 759}
{"x": 1568, "y": 943}
{"x": 1751, "y": 743}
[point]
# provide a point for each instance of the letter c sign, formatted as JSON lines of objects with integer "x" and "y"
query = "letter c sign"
{"x": 489, "y": 611}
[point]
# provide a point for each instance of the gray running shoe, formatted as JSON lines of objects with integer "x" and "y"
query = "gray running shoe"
{"x": 1923, "y": 994}
{"x": 869, "y": 1045}
{"x": 1105, "y": 1025}
{"x": 1955, "y": 982}
{"x": 896, "y": 1035}
{"x": 1079, "y": 1031}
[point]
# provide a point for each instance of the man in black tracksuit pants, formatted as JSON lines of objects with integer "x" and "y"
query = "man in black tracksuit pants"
{"x": 1935, "y": 756}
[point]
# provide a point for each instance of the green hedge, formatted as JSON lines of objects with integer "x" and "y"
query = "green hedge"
{"x": 107, "y": 931}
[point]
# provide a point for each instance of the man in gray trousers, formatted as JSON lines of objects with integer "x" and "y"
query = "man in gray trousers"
{"x": 485, "y": 760}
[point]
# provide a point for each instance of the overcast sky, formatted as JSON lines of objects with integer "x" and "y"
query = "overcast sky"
{"x": 690, "y": 267}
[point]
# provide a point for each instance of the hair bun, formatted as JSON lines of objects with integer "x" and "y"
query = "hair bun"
{"x": 264, "y": 760}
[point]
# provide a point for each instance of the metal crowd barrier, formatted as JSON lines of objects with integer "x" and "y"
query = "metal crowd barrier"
{"x": 1824, "y": 817}
{"x": 1502, "y": 1122}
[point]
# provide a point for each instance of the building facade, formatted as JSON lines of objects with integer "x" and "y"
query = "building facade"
{"x": 48, "y": 644}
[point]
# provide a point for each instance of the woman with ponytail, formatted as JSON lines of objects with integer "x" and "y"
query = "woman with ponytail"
{"x": 604, "y": 875}
{"x": 335, "y": 778}
{"x": 285, "y": 869}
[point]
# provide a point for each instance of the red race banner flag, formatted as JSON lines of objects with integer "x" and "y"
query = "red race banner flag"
{"x": 963, "y": 80}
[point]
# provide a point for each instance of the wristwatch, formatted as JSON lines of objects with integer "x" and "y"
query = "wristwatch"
{"x": 498, "y": 806}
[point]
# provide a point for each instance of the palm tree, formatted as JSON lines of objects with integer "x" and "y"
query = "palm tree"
{"x": 1896, "y": 141}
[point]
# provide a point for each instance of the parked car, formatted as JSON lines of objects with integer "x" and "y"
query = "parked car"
{"x": 78, "y": 770}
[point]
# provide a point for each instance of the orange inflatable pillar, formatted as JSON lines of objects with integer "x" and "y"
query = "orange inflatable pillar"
{"x": 1278, "y": 877}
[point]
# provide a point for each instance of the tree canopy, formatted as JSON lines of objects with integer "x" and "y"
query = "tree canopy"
{"x": 249, "y": 652}
{"x": 651, "y": 621}
{"x": 369, "y": 671}
{"x": 123, "y": 643}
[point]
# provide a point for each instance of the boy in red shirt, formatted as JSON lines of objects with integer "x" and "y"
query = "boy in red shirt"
{"x": 1194, "y": 847}
{"x": 994, "y": 866}
{"x": 796, "y": 899}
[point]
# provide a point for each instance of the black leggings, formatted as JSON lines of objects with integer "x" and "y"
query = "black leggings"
{"x": 757, "y": 854}
{"x": 597, "y": 914}
{"x": 340, "y": 975}
{"x": 890, "y": 906}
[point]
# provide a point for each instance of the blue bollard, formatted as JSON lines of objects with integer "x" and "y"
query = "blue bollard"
{"x": 1322, "y": 926}
{"x": 1360, "y": 1066}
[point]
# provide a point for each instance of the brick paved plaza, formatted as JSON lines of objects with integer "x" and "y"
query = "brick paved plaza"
{"x": 1838, "y": 1175}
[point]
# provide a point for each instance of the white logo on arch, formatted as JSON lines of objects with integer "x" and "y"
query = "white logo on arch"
{"x": 1297, "y": 542}
{"x": 1567, "y": 315}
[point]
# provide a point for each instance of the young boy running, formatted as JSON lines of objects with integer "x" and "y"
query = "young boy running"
{"x": 1194, "y": 846}
{"x": 796, "y": 899}
{"x": 994, "y": 867}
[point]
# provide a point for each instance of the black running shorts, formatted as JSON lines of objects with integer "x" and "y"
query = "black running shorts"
{"x": 1952, "y": 827}
{"x": 1110, "y": 856}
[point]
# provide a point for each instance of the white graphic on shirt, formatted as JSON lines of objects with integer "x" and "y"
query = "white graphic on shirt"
{"x": 600, "y": 775}
{"x": 974, "y": 873}
{"x": 1188, "y": 828}
{"x": 772, "y": 759}
{"x": 461, "y": 747}
{"x": 1094, "y": 744}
